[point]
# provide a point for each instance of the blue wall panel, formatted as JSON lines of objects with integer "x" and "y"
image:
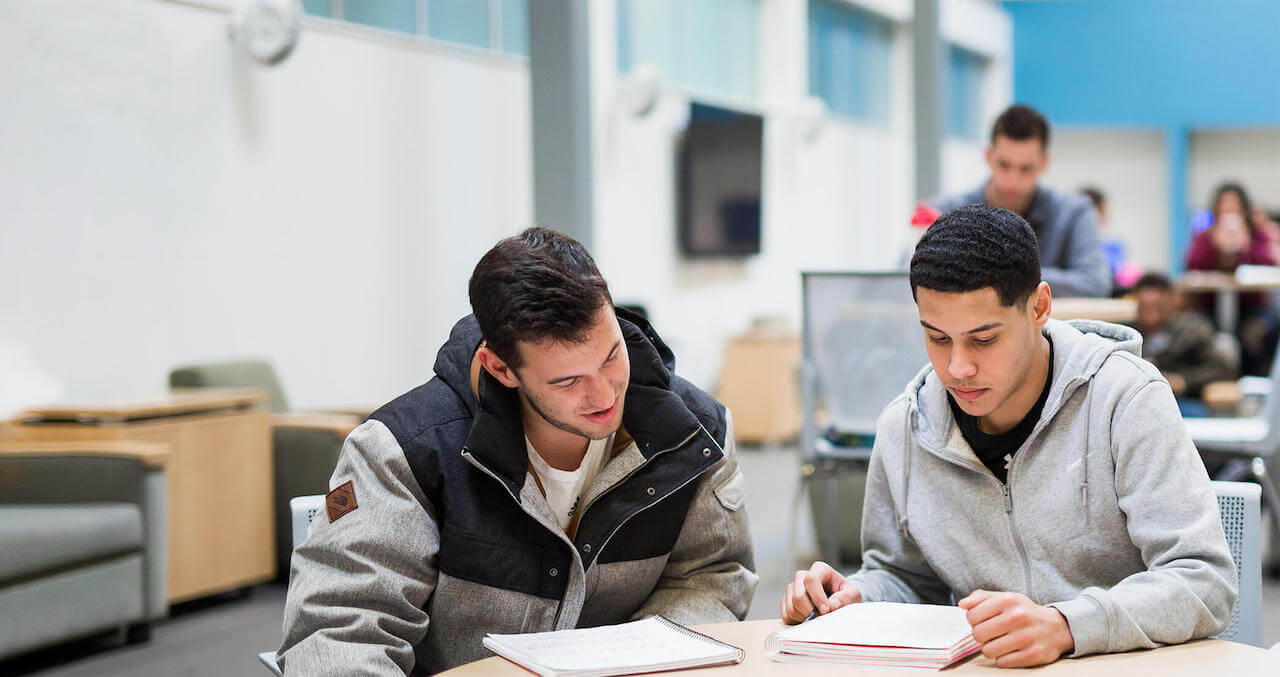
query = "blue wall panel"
{"x": 1149, "y": 63}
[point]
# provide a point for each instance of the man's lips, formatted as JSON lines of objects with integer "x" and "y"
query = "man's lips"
{"x": 604, "y": 415}
{"x": 969, "y": 394}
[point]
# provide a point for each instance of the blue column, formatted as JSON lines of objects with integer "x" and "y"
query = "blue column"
{"x": 1175, "y": 145}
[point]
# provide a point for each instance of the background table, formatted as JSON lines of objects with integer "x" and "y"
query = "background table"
{"x": 1121, "y": 311}
{"x": 1227, "y": 289}
{"x": 218, "y": 479}
{"x": 1203, "y": 657}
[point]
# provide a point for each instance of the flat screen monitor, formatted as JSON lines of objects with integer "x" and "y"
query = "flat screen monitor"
{"x": 720, "y": 178}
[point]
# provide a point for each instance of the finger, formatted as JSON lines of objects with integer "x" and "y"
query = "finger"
{"x": 785, "y": 610}
{"x": 801, "y": 604}
{"x": 813, "y": 584}
{"x": 1006, "y": 644}
{"x": 997, "y": 626}
{"x": 988, "y": 608}
{"x": 974, "y": 599}
{"x": 792, "y": 604}
{"x": 849, "y": 595}
{"x": 1025, "y": 658}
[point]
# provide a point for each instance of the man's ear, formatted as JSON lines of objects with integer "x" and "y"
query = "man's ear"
{"x": 1041, "y": 303}
{"x": 496, "y": 367}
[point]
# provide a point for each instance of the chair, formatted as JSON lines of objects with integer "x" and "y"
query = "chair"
{"x": 1248, "y": 442}
{"x": 861, "y": 345}
{"x": 84, "y": 530}
{"x": 1241, "y": 508}
{"x": 305, "y": 446}
{"x": 303, "y": 509}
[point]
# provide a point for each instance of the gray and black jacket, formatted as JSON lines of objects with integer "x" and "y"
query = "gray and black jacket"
{"x": 452, "y": 538}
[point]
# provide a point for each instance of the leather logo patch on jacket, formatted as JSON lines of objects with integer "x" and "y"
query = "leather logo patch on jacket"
{"x": 340, "y": 501}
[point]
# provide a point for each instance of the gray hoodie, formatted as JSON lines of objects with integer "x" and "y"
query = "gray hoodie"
{"x": 1108, "y": 514}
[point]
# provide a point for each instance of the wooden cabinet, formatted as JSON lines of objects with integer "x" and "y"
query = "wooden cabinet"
{"x": 218, "y": 477}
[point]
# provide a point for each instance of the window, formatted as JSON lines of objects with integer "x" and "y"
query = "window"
{"x": 850, "y": 60}
{"x": 965, "y": 70}
{"x": 500, "y": 25}
{"x": 704, "y": 45}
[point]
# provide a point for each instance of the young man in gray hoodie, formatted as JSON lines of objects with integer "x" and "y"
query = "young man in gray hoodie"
{"x": 1037, "y": 471}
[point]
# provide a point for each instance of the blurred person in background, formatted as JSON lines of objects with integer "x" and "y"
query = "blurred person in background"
{"x": 1233, "y": 240}
{"x": 1181, "y": 343}
{"x": 1065, "y": 224}
{"x": 1124, "y": 273}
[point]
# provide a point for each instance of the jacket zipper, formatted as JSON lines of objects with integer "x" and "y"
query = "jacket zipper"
{"x": 573, "y": 549}
{"x": 563, "y": 537}
{"x": 655, "y": 502}
{"x": 582, "y": 513}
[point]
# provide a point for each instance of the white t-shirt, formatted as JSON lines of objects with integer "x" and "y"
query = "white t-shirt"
{"x": 564, "y": 487}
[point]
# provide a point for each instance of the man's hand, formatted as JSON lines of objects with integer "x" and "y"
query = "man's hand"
{"x": 1015, "y": 631}
{"x": 821, "y": 588}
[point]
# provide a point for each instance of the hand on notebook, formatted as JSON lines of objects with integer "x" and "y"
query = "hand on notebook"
{"x": 1016, "y": 631}
{"x": 820, "y": 587}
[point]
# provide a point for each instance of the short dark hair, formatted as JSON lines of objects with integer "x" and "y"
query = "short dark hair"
{"x": 1158, "y": 281}
{"x": 1019, "y": 122}
{"x": 975, "y": 247}
{"x": 1095, "y": 196}
{"x": 540, "y": 285}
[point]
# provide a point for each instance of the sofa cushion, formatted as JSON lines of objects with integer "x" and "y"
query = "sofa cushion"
{"x": 39, "y": 539}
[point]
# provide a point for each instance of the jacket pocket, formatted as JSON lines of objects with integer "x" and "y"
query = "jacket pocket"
{"x": 732, "y": 492}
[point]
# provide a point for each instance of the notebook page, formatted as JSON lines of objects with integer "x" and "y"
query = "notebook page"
{"x": 638, "y": 643}
{"x": 921, "y": 626}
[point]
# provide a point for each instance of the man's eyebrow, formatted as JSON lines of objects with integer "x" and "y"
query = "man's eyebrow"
{"x": 562, "y": 379}
{"x": 976, "y": 330}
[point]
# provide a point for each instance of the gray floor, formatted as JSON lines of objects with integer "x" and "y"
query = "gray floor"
{"x": 221, "y": 637}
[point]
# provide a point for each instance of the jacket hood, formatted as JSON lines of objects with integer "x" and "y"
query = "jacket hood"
{"x": 1080, "y": 347}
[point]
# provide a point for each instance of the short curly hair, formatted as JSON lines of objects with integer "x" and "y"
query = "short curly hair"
{"x": 978, "y": 246}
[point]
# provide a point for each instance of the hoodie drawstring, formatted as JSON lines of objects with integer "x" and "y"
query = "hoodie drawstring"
{"x": 1084, "y": 458}
{"x": 903, "y": 524}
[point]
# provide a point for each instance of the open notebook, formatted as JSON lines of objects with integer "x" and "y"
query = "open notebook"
{"x": 652, "y": 645}
{"x": 878, "y": 634}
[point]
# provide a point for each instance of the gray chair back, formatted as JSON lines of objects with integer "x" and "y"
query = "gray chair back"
{"x": 862, "y": 343}
{"x": 1241, "y": 506}
{"x": 236, "y": 374}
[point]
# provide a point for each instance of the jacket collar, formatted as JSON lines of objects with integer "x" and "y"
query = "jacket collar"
{"x": 655, "y": 416}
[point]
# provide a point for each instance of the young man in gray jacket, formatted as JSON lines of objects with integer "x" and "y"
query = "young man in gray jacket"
{"x": 1037, "y": 471}
{"x": 1065, "y": 224}
{"x": 554, "y": 474}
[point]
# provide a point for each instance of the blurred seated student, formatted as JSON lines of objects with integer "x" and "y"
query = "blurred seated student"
{"x": 1065, "y": 224}
{"x": 1124, "y": 273}
{"x": 1035, "y": 471}
{"x": 1181, "y": 343}
{"x": 1233, "y": 240}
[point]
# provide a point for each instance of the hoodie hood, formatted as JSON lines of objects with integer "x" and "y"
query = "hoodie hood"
{"x": 1080, "y": 347}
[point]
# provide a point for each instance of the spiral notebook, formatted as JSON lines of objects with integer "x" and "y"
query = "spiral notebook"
{"x": 654, "y": 644}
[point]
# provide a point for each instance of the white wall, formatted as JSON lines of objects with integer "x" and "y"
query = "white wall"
{"x": 1131, "y": 168}
{"x": 839, "y": 200}
{"x": 163, "y": 202}
{"x": 1250, "y": 156}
